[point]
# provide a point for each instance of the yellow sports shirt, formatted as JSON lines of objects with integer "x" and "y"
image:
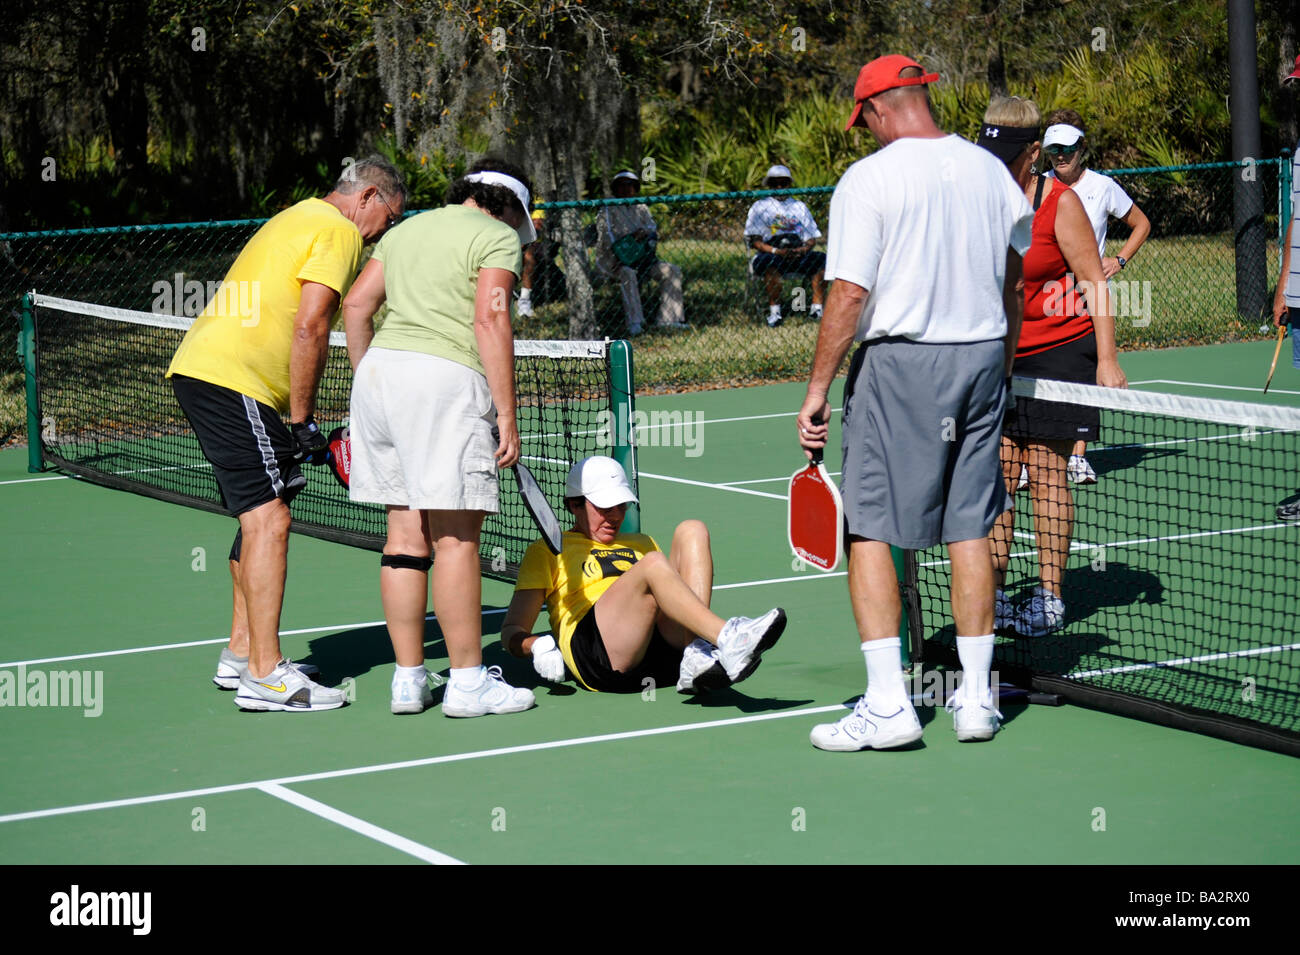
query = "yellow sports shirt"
{"x": 575, "y": 579}
{"x": 242, "y": 339}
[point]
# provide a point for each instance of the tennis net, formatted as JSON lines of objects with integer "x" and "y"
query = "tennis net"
{"x": 100, "y": 408}
{"x": 1179, "y": 582}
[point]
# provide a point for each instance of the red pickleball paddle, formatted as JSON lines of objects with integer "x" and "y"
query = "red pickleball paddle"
{"x": 816, "y": 518}
{"x": 339, "y": 461}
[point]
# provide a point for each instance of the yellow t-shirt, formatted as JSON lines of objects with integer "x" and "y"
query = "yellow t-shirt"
{"x": 576, "y": 578}
{"x": 242, "y": 339}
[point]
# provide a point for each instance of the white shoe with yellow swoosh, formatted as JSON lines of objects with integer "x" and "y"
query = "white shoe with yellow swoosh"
{"x": 285, "y": 688}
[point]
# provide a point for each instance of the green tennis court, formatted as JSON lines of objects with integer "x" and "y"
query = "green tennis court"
{"x": 122, "y": 602}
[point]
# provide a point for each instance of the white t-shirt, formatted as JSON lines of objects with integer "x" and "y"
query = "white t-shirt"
{"x": 1102, "y": 197}
{"x": 1292, "y": 293}
{"x": 773, "y": 215}
{"x": 924, "y": 225}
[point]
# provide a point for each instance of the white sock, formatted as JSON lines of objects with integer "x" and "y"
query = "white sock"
{"x": 815, "y": 310}
{"x": 774, "y": 311}
{"x": 884, "y": 671}
{"x": 467, "y": 678}
{"x": 525, "y": 294}
{"x": 976, "y": 656}
{"x": 410, "y": 674}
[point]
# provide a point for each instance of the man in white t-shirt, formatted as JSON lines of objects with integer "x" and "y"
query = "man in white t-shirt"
{"x": 924, "y": 247}
{"x": 782, "y": 232}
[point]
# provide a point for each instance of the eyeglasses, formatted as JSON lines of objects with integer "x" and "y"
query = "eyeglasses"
{"x": 393, "y": 217}
{"x": 1057, "y": 150}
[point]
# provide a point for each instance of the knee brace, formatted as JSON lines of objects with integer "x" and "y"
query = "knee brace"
{"x": 406, "y": 562}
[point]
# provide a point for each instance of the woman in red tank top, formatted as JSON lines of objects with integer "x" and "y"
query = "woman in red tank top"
{"x": 1068, "y": 334}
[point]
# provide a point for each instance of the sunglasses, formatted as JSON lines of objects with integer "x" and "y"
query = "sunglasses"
{"x": 392, "y": 216}
{"x": 1057, "y": 150}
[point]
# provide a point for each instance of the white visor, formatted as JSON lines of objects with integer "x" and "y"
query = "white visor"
{"x": 526, "y": 231}
{"x": 1062, "y": 134}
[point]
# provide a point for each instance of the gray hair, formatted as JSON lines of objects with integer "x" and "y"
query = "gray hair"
{"x": 372, "y": 171}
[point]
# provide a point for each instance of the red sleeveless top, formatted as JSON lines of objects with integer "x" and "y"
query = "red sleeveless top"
{"x": 1055, "y": 311}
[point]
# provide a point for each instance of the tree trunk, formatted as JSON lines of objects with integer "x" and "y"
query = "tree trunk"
{"x": 1287, "y": 128}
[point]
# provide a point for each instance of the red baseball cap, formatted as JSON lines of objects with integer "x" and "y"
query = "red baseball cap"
{"x": 882, "y": 74}
{"x": 1295, "y": 74}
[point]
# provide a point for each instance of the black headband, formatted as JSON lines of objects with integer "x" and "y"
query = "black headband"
{"x": 1006, "y": 142}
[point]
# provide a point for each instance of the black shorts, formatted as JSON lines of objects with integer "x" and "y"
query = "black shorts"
{"x": 250, "y": 449}
{"x": 1049, "y": 420}
{"x": 662, "y": 662}
{"x": 810, "y": 263}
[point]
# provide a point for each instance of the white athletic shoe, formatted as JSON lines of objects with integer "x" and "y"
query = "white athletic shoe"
{"x": 1024, "y": 478}
{"x": 774, "y": 317}
{"x": 1080, "y": 471}
{"x": 701, "y": 669}
{"x": 865, "y": 728}
{"x": 1040, "y": 615}
{"x": 230, "y": 668}
{"x": 493, "y": 695}
{"x": 285, "y": 689}
{"x": 973, "y": 720}
{"x": 525, "y": 308}
{"x": 410, "y": 696}
{"x": 1004, "y": 614}
{"x": 743, "y": 641}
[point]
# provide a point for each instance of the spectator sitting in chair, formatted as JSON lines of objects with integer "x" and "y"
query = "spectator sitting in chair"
{"x": 783, "y": 232}
{"x": 627, "y": 250}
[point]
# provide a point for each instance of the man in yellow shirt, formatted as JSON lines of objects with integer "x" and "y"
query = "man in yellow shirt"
{"x": 255, "y": 353}
{"x": 626, "y": 616}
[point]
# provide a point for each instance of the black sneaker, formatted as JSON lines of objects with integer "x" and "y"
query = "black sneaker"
{"x": 1289, "y": 512}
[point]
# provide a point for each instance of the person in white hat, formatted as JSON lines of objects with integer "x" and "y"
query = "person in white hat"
{"x": 782, "y": 232}
{"x": 627, "y": 251}
{"x": 429, "y": 387}
{"x": 1065, "y": 144}
{"x": 625, "y": 616}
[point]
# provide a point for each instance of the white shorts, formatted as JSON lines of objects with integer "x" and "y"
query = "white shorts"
{"x": 422, "y": 434}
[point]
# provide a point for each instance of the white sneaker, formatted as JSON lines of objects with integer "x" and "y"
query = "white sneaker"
{"x": 815, "y": 313}
{"x": 743, "y": 641}
{"x": 411, "y": 696}
{"x": 973, "y": 720}
{"x": 1080, "y": 471}
{"x": 1004, "y": 614}
{"x": 1041, "y": 614}
{"x": 285, "y": 689}
{"x": 1024, "y": 478}
{"x": 774, "y": 316}
{"x": 230, "y": 668}
{"x": 492, "y": 695}
{"x": 701, "y": 668}
{"x": 865, "y": 728}
{"x": 525, "y": 308}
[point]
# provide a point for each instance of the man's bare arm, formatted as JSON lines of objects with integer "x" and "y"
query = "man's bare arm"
{"x": 307, "y": 353}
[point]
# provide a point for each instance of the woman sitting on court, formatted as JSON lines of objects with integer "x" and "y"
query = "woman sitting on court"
{"x": 1060, "y": 339}
{"x": 625, "y": 615}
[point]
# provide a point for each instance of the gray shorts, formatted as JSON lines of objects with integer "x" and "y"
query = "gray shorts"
{"x": 922, "y": 429}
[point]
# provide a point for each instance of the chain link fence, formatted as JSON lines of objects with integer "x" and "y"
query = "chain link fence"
{"x": 1178, "y": 290}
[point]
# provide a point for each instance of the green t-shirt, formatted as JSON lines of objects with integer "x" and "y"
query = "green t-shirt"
{"x": 431, "y": 265}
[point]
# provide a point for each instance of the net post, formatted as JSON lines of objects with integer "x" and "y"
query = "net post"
{"x": 904, "y": 643}
{"x": 622, "y": 405}
{"x": 27, "y": 352}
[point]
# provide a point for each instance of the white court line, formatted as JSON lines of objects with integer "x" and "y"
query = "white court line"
{"x": 1201, "y": 384}
{"x": 1183, "y": 661}
{"x": 203, "y": 643}
{"x": 412, "y": 764}
{"x": 716, "y": 487}
{"x": 56, "y": 477}
{"x": 782, "y": 480}
{"x": 370, "y": 830}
